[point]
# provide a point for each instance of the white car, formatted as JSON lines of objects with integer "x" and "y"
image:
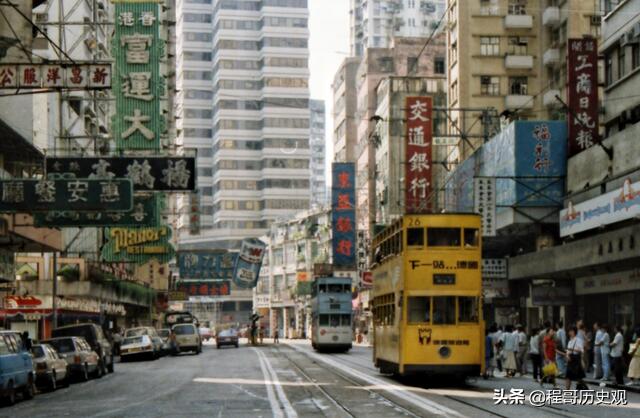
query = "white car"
{"x": 139, "y": 346}
{"x": 187, "y": 338}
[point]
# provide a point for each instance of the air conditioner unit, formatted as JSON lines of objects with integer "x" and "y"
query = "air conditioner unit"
{"x": 625, "y": 39}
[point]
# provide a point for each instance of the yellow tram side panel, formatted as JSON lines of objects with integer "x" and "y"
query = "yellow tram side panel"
{"x": 388, "y": 279}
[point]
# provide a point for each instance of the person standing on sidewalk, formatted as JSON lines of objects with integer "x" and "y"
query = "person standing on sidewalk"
{"x": 575, "y": 372}
{"x": 510, "y": 348}
{"x": 616, "y": 354}
{"x": 586, "y": 343}
{"x": 561, "y": 345}
{"x": 534, "y": 354}
{"x": 521, "y": 358}
{"x": 634, "y": 364}
{"x": 597, "y": 351}
{"x": 488, "y": 355}
{"x": 605, "y": 350}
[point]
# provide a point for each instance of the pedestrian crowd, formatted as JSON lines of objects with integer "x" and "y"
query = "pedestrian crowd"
{"x": 602, "y": 352}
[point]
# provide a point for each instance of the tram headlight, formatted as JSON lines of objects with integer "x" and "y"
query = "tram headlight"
{"x": 444, "y": 351}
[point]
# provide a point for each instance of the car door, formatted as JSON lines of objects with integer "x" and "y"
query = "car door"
{"x": 5, "y": 362}
{"x": 52, "y": 361}
{"x": 14, "y": 360}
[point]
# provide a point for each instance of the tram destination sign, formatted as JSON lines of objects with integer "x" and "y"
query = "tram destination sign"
{"x": 146, "y": 173}
{"x": 78, "y": 194}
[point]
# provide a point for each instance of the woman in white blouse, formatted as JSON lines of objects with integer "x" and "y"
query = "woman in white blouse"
{"x": 575, "y": 349}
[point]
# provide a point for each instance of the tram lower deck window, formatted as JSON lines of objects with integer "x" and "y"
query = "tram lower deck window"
{"x": 419, "y": 309}
{"x": 467, "y": 309}
{"x": 323, "y": 320}
{"x": 444, "y": 310}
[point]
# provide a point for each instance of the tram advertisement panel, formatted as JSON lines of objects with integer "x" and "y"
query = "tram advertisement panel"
{"x": 343, "y": 214}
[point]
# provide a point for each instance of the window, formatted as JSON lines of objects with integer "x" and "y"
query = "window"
{"x": 467, "y": 309}
{"x": 199, "y": 94}
{"x": 518, "y": 85}
{"x": 635, "y": 56}
{"x": 323, "y": 319}
{"x": 197, "y": 56}
{"x": 620, "y": 244}
{"x": 621, "y": 62}
{"x": 471, "y": 237}
{"x": 517, "y": 7}
{"x": 444, "y": 310}
{"x": 518, "y": 45}
{"x": 488, "y": 7}
{"x": 454, "y": 52}
{"x": 443, "y": 237}
{"x": 418, "y": 309}
{"x": 632, "y": 242}
{"x": 489, "y": 45}
{"x": 198, "y": 36}
{"x": 197, "y": 17}
{"x": 489, "y": 85}
{"x": 346, "y": 320}
{"x": 198, "y": 113}
{"x": 198, "y": 75}
{"x": 415, "y": 237}
{"x": 608, "y": 69}
{"x": 412, "y": 63}
{"x": 285, "y": 42}
{"x": 439, "y": 65}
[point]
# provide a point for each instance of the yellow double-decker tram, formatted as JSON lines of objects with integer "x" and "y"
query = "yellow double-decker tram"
{"x": 427, "y": 289}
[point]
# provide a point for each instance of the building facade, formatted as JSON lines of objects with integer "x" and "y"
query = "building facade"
{"x": 317, "y": 166}
{"x": 374, "y": 23}
{"x": 344, "y": 110}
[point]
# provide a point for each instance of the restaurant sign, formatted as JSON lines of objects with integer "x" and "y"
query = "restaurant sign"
{"x": 206, "y": 265}
{"x": 61, "y": 75}
{"x": 145, "y": 212}
{"x": 146, "y": 173}
{"x": 79, "y": 194}
{"x": 138, "y": 245}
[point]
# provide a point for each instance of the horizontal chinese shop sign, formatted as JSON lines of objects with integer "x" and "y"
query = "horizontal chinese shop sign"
{"x": 81, "y": 194}
{"x": 221, "y": 288}
{"x": 146, "y": 173}
{"x": 138, "y": 245}
{"x": 145, "y": 212}
{"x": 66, "y": 75}
{"x": 206, "y": 265}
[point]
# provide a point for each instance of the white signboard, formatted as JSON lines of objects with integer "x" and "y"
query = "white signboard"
{"x": 494, "y": 268}
{"x": 262, "y": 301}
{"x": 615, "y": 206}
{"x": 484, "y": 203}
{"x": 611, "y": 282}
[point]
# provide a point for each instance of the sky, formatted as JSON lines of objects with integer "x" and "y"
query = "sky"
{"x": 328, "y": 46}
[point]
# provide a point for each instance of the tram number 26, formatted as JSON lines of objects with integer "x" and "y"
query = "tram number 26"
{"x": 438, "y": 264}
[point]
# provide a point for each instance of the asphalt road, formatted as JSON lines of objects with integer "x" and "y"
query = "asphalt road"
{"x": 286, "y": 380}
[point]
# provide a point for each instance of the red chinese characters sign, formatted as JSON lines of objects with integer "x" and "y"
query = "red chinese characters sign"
{"x": 56, "y": 76}
{"x": 343, "y": 215}
{"x": 582, "y": 91}
{"x": 218, "y": 288}
{"x": 418, "y": 153}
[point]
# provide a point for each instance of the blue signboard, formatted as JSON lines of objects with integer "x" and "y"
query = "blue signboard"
{"x": 206, "y": 265}
{"x": 343, "y": 215}
{"x": 248, "y": 263}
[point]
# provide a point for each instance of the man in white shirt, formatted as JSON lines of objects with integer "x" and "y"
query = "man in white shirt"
{"x": 616, "y": 354}
{"x": 561, "y": 345}
{"x": 521, "y": 356}
{"x": 597, "y": 351}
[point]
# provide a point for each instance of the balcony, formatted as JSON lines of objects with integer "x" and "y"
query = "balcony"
{"x": 518, "y": 101}
{"x": 518, "y": 62}
{"x": 551, "y": 57}
{"x": 551, "y": 16}
{"x": 518, "y": 22}
{"x": 549, "y": 98}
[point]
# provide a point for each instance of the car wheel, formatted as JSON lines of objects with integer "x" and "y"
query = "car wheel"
{"x": 98, "y": 373}
{"x": 66, "y": 381}
{"x": 237, "y": 345}
{"x": 10, "y": 394}
{"x": 85, "y": 373}
{"x": 53, "y": 385}
{"x": 29, "y": 390}
{"x": 110, "y": 366}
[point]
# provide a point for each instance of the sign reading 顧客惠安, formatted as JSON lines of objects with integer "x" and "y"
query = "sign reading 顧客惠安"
{"x": 137, "y": 83}
{"x": 78, "y": 194}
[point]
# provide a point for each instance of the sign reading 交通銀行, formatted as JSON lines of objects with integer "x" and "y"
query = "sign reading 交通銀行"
{"x": 418, "y": 153}
{"x": 137, "y": 83}
{"x": 343, "y": 215}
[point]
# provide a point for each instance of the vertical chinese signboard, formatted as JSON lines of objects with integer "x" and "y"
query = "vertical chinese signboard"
{"x": 343, "y": 215}
{"x": 582, "y": 94}
{"x": 418, "y": 153}
{"x": 484, "y": 203}
{"x": 137, "y": 83}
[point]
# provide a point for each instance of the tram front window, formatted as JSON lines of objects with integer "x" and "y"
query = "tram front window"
{"x": 418, "y": 308}
{"x": 471, "y": 237}
{"x": 467, "y": 309}
{"x": 443, "y": 237}
{"x": 415, "y": 237}
{"x": 444, "y": 310}
{"x": 323, "y": 320}
{"x": 335, "y": 288}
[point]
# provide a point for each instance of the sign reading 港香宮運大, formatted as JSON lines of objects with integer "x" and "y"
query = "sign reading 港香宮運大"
{"x": 78, "y": 194}
{"x": 137, "y": 48}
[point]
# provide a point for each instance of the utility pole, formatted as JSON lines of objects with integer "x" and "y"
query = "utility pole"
{"x": 54, "y": 292}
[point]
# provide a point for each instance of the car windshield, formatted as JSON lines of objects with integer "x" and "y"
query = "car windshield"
{"x": 37, "y": 351}
{"x": 132, "y": 340}
{"x": 136, "y": 332}
{"x": 63, "y": 345}
{"x": 81, "y": 331}
{"x": 164, "y": 333}
{"x": 184, "y": 329}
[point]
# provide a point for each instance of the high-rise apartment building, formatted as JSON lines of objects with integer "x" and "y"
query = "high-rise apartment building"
{"x": 344, "y": 110}
{"x": 511, "y": 55}
{"x": 317, "y": 179}
{"x": 243, "y": 80}
{"x": 374, "y": 23}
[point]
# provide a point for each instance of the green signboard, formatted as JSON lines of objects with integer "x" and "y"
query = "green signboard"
{"x": 137, "y": 83}
{"x": 82, "y": 194}
{"x": 138, "y": 245}
{"x": 146, "y": 212}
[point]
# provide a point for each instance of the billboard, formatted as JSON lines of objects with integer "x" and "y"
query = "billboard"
{"x": 615, "y": 206}
{"x": 247, "y": 266}
{"x": 221, "y": 288}
{"x": 343, "y": 215}
{"x": 418, "y": 153}
{"x": 61, "y": 75}
{"x": 582, "y": 92}
{"x": 138, "y": 245}
{"x": 206, "y": 265}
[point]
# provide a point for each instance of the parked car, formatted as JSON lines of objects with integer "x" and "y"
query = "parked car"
{"x": 187, "y": 338}
{"x": 205, "y": 333}
{"x": 16, "y": 368}
{"x": 93, "y": 335}
{"x": 49, "y": 367}
{"x": 227, "y": 337}
{"x": 81, "y": 360}
{"x": 138, "y": 347}
{"x": 151, "y": 332}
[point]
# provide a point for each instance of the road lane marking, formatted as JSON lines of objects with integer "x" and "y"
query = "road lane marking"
{"x": 275, "y": 406}
{"x": 397, "y": 390}
{"x": 291, "y": 413}
{"x": 233, "y": 380}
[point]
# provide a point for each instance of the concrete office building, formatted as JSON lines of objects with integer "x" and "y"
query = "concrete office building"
{"x": 344, "y": 109}
{"x": 374, "y": 23}
{"x": 317, "y": 176}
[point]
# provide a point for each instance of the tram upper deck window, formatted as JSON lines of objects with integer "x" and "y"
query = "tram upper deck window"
{"x": 418, "y": 309}
{"x": 322, "y": 288}
{"x": 471, "y": 237}
{"x": 467, "y": 309}
{"x": 443, "y": 237}
{"x": 415, "y": 237}
{"x": 444, "y": 310}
